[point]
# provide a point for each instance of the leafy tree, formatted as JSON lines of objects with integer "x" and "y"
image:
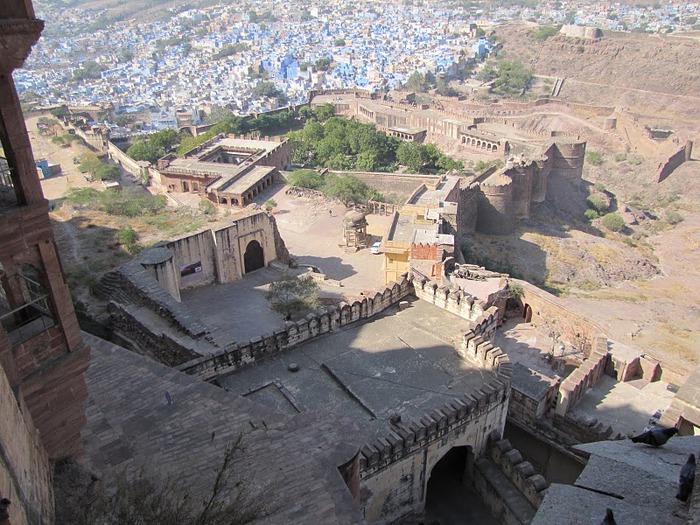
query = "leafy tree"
{"x": 306, "y": 113}
{"x": 306, "y": 179}
{"x": 442, "y": 87}
{"x": 290, "y": 295}
{"x": 417, "y": 82}
{"x": 322, "y": 64}
{"x": 88, "y": 70}
{"x": 270, "y": 204}
{"x": 164, "y": 139}
{"x": 512, "y": 78}
{"x": 412, "y": 155}
{"x": 107, "y": 172}
{"x": 266, "y": 89}
{"x": 347, "y": 189}
{"x": 231, "y": 124}
{"x": 340, "y": 42}
{"x": 324, "y": 112}
{"x": 144, "y": 150}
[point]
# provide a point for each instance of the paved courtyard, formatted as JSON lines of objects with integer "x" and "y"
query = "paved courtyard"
{"x": 402, "y": 362}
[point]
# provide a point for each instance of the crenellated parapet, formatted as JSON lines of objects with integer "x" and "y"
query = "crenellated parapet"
{"x": 328, "y": 320}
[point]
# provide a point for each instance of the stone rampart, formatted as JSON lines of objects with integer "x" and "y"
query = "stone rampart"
{"x": 542, "y": 308}
{"x": 126, "y": 162}
{"x": 412, "y": 448}
{"x": 313, "y": 325}
{"x": 25, "y": 471}
{"x": 574, "y": 387}
{"x": 674, "y": 161}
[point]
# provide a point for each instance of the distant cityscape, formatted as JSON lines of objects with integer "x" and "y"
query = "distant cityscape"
{"x": 257, "y": 57}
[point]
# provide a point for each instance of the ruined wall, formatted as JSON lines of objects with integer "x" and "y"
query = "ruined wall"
{"x": 241, "y": 354}
{"x": 574, "y": 387}
{"x": 674, "y": 161}
{"x": 25, "y": 471}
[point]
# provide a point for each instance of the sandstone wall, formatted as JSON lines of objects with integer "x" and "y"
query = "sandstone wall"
{"x": 574, "y": 387}
{"x": 396, "y": 469}
{"x": 674, "y": 161}
{"x": 25, "y": 471}
{"x": 125, "y": 161}
{"x": 242, "y": 354}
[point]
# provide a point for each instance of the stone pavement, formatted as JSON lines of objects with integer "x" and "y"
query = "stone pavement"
{"x": 636, "y": 481}
{"x": 290, "y": 463}
{"x": 402, "y": 362}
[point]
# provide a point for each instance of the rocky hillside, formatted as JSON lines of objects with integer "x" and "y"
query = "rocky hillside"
{"x": 646, "y": 62}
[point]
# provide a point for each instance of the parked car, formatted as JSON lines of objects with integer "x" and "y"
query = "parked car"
{"x": 374, "y": 249}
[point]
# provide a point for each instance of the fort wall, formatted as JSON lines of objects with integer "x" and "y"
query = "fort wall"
{"x": 675, "y": 161}
{"x": 241, "y": 354}
{"x": 495, "y": 207}
{"x": 25, "y": 470}
{"x": 396, "y": 468}
{"x": 126, "y": 162}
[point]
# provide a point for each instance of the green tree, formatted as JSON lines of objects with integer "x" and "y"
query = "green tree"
{"x": 347, "y": 189}
{"x": 270, "y": 204}
{"x": 322, "y": 64}
{"x": 89, "y": 163}
{"x": 107, "y": 172}
{"x": 145, "y": 150}
{"x": 207, "y": 208}
{"x": 324, "y": 112}
{"x": 306, "y": 179}
{"x": 598, "y": 203}
{"x": 164, "y": 139}
{"x": 417, "y": 82}
{"x": 339, "y": 42}
{"x": 412, "y": 155}
{"x": 290, "y": 295}
{"x": 88, "y": 70}
{"x": 129, "y": 240}
{"x": 442, "y": 87}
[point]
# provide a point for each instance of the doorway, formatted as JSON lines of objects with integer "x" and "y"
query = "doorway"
{"x": 254, "y": 259}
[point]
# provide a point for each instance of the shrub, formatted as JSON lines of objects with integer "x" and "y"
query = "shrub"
{"x": 599, "y": 186}
{"x": 597, "y": 202}
{"x": 207, "y": 208}
{"x": 673, "y": 217}
{"x": 129, "y": 239}
{"x": 270, "y": 204}
{"x": 614, "y": 222}
{"x": 594, "y": 158}
{"x": 619, "y": 157}
{"x": 590, "y": 214}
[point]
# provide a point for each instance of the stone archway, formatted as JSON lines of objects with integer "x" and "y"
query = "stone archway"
{"x": 527, "y": 313}
{"x": 450, "y": 498}
{"x": 254, "y": 258}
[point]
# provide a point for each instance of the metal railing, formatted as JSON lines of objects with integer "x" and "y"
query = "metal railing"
{"x": 28, "y": 320}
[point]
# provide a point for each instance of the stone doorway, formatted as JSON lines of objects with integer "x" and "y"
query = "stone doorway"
{"x": 254, "y": 258}
{"x": 449, "y": 497}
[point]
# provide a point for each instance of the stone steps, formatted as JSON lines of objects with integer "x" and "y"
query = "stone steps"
{"x": 504, "y": 492}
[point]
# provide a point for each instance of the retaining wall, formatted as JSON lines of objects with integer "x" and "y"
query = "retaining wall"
{"x": 574, "y": 387}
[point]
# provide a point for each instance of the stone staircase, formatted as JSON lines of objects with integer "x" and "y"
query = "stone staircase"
{"x": 500, "y": 494}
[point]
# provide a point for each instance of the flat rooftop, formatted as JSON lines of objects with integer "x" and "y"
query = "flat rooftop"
{"x": 401, "y": 362}
{"x": 430, "y": 197}
{"x": 243, "y": 144}
{"x": 402, "y": 227}
{"x": 239, "y": 184}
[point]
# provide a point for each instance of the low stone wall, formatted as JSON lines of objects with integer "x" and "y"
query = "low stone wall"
{"x": 520, "y": 472}
{"x": 25, "y": 472}
{"x": 583, "y": 431}
{"x": 159, "y": 345}
{"x": 584, "y": 377}
{"x": 126, "y": 162}
{"x": 459, "y": 303}
{"x": 544, "y": 308}
{"x": 674, "y": 161}
{"x": 313, "y": 325}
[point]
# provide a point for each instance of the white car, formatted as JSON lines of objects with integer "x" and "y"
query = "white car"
{"x": 374, "y": 249}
